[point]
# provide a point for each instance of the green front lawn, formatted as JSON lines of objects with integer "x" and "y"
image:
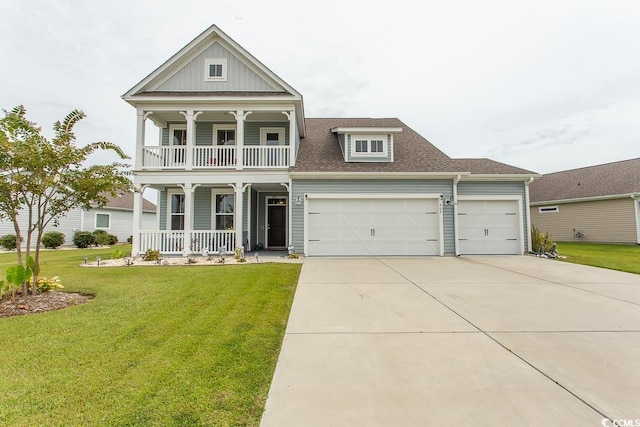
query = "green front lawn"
{"x": 190, "y": 345}
{"x": 615, "y": 257}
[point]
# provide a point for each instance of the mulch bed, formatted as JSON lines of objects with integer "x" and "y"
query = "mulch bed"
{"x": 40, "y": 303}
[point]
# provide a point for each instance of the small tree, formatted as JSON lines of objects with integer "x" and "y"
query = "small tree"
{"x": 43, "y": 179}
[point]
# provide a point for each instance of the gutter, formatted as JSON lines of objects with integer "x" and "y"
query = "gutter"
{"x": 587, "y": 199}
{"x": 456, "y": 180}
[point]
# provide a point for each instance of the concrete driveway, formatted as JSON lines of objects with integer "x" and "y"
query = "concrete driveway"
{"x": 482, "y": 341}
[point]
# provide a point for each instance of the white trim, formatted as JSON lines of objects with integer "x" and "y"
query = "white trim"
{"x": 95, "y": 221}
{"x": 224, "y": 126}
{"x": 366, "y": 130}
{"x": 219, "y": 191}
{"x": 584, "y": 199}
{"x": 369, "y": 138}
{"x": 279, "y": 130}
{"x": 490, "y": 197}
{"x": 387, "y": 196}
{"x": 177, "y": 126}
{"x": 636, "y": 204}
{"x": 548, "y": 209}
{"x": 168, "y": 213}
{"x": 266, "y": 218}
{"x": 208, "y": 62}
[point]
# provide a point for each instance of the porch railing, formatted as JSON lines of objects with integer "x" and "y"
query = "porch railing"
{"x": 215, "y": 157}
{"x": 266, "y": 156}
{"x": 164, "y": 157}
{"x": 177, "y": 242}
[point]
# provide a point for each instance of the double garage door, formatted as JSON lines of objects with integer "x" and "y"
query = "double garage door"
{"x": 374, "y": 226}
{"x": 400, "y": 225}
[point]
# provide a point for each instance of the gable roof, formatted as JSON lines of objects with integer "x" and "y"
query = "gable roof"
{"x": 609, "y": 179}
{"x": 320, "y": 152}
{"x": 207, "y": 38}
{"x": 125, "y": 202}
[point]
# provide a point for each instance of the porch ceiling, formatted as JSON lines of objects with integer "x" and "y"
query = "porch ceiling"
{"x": 161, "y": 117}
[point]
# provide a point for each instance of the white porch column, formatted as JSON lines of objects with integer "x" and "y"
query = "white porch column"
{"x": 137, "y": 220}
{"x": 191, "y": 138}
{"x": 188, "y": 216}
{"x": 291, "y": 115}
{"x": 240, "y": 116}
{"x": 140, "y": 130}
{"x": 239, "y": 213}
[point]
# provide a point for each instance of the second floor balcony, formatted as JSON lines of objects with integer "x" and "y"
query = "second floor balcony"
{"x": 215, "y": 157}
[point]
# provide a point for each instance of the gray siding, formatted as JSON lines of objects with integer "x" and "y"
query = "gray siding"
{"x": 120, "y": 222}
{"x": 239, "y": 76}
{"x": 252, "y": 131}
{"x": 302, "y": 187}
{"x": 202, "y": 209}
{"x": 509, "y": 188}
{"x": 164, "y": 136}
{"x": 364, "y": 159}
{"x": 606, "y": 221}
{"x": 162, "y": 209}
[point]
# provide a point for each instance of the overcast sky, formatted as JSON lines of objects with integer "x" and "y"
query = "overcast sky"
{"x": 543, "y": 85}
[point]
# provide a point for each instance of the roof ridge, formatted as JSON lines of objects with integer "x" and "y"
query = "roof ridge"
{"x": 593, "y": 166}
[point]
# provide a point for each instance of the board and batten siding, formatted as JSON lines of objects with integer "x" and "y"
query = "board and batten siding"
{"x": 606, "y": 221}
{"x": 508, "y": 188}
{"x": 300, "y": 187}
{"x": 239, "y": 77}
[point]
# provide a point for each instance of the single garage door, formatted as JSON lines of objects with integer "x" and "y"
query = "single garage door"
{"x": 373, "y": 226}
{"x": 489, "y": 227}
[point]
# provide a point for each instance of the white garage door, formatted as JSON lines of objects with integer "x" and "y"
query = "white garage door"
{"x": 373, "y": 226}
{"x": 489, "y": 227}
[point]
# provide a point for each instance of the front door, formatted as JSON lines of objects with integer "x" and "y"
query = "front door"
{"x": 277, "y": 226}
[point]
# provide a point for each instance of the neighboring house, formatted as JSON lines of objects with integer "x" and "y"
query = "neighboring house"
{"x": 591, "y": 204}
{"x": 116, "y": 217}
{"x": 238, "y": 164}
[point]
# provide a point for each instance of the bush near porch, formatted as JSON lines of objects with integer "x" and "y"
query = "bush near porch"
{"x": 606, "y": 255}
{"x": 156, "y": 346}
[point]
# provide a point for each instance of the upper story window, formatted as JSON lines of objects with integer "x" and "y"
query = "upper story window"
{"x": 271, "y": 136}
{"x": 368, "y": 145}
{"x": 224, "y": 134}
{"x": 215, "y": 70}
{"x": 178, "y": 134}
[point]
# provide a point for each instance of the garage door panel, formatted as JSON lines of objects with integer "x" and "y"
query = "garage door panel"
{"x": 488, "y": 227}
{"x": 373, "y": 227}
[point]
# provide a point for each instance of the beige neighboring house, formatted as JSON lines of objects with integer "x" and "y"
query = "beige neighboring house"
{"x": 116, "y": 217}
{"x": 591, "y": 204}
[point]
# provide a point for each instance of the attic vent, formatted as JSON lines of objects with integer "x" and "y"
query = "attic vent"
{"x": 215, "y": 70}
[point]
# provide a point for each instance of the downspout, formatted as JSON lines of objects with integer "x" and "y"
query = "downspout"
{"x": 634, "y": 197}
{"x": 528, "y": 212}
{"x": 456, "y": 180}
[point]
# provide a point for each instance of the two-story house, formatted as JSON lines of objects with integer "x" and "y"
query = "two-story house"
{"x": 238, "y": 164}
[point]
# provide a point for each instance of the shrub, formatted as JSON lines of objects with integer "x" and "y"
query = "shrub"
{"x": 117, "y": 254}
{"x": 8, "y": 242}
{"x": 52, "y": 239}
{"x": 104, "y": 239}
{"x": 47, "y": 284}
{"x": 83, "y": 239}
{"x": 130, "y": 239}
{"x": 541, "y": 242}
{"x": 151, "y": 255}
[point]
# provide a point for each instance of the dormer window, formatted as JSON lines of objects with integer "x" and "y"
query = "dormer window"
{"x": 369, "y": 145}
{"x": 215, "y": 70}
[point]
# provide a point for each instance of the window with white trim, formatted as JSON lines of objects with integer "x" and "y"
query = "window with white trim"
{"x": 103, "y": 220}
{"x": 175, "y": 202}
{"x": 223, "y": 210}
{"x": 224, "y": 134}
{"x": 369, "y": 145}
{"x": 178, "y": 134}
{"x": 272, "y": 136}
{"x": 215, "y": 70}
{"x": 548, "y": 209}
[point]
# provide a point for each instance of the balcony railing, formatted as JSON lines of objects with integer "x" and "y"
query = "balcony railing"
{"x": 216, "y": 157}
{"x": 177, "y": 242}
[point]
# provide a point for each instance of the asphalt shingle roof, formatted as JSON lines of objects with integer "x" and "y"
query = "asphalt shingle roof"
{"x": 125, "y": 201}
{"x": 320, "y": 152}
{"x": 609, "y": 179}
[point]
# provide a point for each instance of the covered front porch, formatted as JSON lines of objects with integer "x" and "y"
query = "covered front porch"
{"x": 211, "y": 218}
